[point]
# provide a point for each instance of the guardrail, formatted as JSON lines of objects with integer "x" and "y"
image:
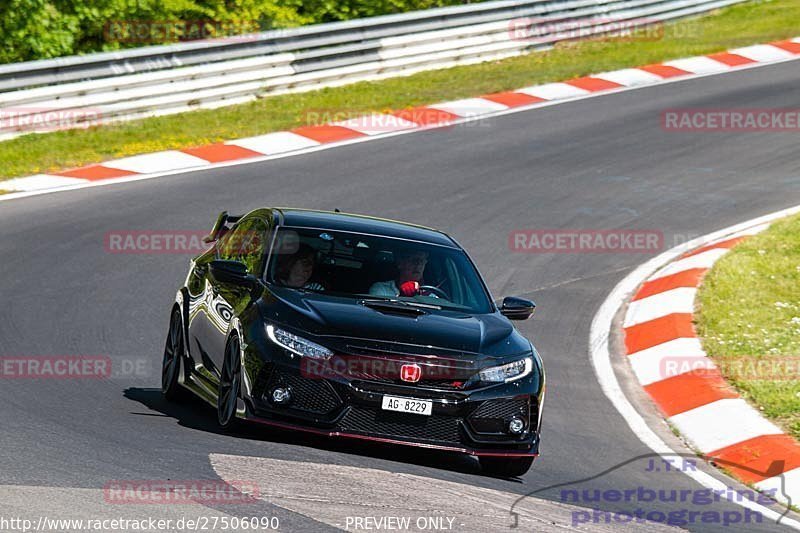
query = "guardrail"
{"x": 158, "y": 80}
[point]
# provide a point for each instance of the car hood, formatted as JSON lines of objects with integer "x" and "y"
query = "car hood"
{"x": 335, "y": 320}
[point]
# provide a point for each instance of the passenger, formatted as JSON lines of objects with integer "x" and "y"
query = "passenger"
{"x": 295, "y": 270}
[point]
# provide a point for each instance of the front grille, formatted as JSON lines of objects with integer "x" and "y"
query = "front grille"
{"x": 442, "y": 384}
{"x": 402, "y": 425}
{"x": 311, "y": 395}
{"x": 491, "y": 416}
{"x": 447, "y": 371}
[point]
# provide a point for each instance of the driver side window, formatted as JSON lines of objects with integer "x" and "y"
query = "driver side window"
{"x": 246, "y": 243}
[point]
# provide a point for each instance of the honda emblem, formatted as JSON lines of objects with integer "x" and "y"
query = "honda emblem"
{"x": 411, "y": 373}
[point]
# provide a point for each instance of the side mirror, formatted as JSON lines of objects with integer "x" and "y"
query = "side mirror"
{"x": 234, "y": 273}
{"x": 515, "y": 308}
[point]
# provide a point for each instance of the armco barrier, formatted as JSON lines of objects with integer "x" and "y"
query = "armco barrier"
{"x": 158, "y": 80}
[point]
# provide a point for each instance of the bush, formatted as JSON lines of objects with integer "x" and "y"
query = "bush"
{"x": 40, "y": 29}
{"x": 34, "y": 29}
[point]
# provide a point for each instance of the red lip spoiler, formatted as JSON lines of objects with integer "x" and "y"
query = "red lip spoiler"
{"x": 325, "y": 433}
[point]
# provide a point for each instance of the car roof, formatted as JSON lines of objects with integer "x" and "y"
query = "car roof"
{"x": 336, "y": 221}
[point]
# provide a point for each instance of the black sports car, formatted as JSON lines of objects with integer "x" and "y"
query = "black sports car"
{"x": 353, "y": 326}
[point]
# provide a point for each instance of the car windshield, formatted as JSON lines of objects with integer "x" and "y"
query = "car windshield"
{"x": 377, "y": 268}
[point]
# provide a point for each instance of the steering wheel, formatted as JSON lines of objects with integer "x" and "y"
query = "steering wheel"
{"x": 435, "y": 290}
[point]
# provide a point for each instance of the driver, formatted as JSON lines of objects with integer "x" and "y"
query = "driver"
{"x": 410, "y": 267}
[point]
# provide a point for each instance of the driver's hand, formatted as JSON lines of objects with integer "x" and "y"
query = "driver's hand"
{"x": 409, "y": 288}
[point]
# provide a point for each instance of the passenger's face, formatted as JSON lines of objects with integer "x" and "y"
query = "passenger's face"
{"x": 300, "y": 272}
{"x": 412, "y": 266}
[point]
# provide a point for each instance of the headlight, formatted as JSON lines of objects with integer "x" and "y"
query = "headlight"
{"x": 508, "y": 372}
{"x": 296, "y": 344}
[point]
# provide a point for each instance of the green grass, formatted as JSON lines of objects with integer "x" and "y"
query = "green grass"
{"x": 749, "y": 311}
{"x": 735, "y": 26}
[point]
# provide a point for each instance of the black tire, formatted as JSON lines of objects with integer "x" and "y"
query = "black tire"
{"x": 230, "y": 382}
{"x": 173, "y": 355}
{"x": 505, "y": 466}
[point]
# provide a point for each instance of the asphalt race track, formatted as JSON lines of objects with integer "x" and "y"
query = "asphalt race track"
{"x": 598, "y": 163}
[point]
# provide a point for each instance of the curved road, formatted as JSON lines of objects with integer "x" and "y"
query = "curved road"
{"x": 598, "y": 163}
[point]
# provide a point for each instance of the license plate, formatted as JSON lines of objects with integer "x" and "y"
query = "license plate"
{"x": 407, "y": 405}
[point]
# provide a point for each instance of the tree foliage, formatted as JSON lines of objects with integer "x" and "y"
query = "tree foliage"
{"x": 39, "y": 29}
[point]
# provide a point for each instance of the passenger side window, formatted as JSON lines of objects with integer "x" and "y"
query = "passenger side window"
{"x": 246, "y": 243}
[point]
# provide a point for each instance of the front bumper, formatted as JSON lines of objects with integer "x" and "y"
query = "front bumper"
{"x": 465, "y": 421}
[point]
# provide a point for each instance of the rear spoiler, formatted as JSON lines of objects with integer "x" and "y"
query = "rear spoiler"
{"x": 220, "y": 227}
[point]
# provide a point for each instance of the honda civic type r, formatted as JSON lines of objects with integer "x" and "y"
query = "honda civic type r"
{"x": 353, "y": 326}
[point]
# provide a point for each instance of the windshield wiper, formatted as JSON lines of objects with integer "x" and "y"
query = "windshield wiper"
{"x": 384, "y": 299}
{"x": 398, "y": 305}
